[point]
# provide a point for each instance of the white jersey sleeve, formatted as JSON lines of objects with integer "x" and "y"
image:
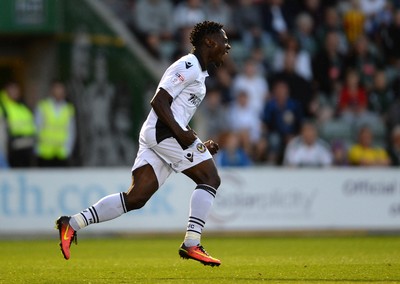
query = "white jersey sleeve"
{"x": 177, "y": 77}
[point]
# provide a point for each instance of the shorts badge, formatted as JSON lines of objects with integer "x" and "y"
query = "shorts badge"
{"x": 201, "y": 148}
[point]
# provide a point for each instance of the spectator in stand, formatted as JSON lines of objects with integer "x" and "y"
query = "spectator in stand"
{"x": 302, "y": 61}
{"x": 383, "y": 18}
{"x": 373, "y": 11}
{"x": 307, "y": 150}
{"x": 248, "y": 24}
{"x": 187, "y": 13}
{"x": 353, "y": 22}
{"x": 153, "y": 23}
{"x": 299, "y": 88}
{"x": 55, "y": 122}
{"x": 232, "y": 154}
{"x": 394, "y": 146}
{"x": 223, "y": 82}
{"x": 183, "y": 46}
{"x": 315, "y": 9}
{"x": 328, "y": 69}
{"x": 371, "y": 8}
{"x": 364, "y": 153}
{"x": 364, "y": 60}
{"x": 244, "y": 122}
{"x": 220, "y": 12}
{"x": 262, "y": 60}
{"x": 304, "y": 33}
{"x": 332, "y": 23}
{"x": 353, "y": 101}
{"x": 381, "y": 96}
{"x": 278, "y": 18}
{"x": 20, "y": 126}
{"x": 251, "y": 81}
{"x": 281, "y": 118}
{"x": 391, "y": 39}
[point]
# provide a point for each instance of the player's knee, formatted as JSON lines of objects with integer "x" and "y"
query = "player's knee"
{"x": 214, "y": 181}
{"x": 217, "y": 181}
{"x": 135, "y": 203}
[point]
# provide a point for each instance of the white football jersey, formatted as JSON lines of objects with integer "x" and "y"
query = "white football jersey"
{"x": 184, "y": 80}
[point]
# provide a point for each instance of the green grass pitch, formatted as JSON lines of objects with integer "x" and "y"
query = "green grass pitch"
{"x": 244, "y": 260}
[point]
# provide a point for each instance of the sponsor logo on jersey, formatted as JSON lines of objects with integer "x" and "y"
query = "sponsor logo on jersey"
{"x": 189, "y": 157}
{"x": 201, "y": 148}
{"x": 178, "y": 78}
{"x": 188, "y": 64}
{"x": 194, "y": 100}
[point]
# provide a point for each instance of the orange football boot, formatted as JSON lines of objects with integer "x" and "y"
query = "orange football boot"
{"x": 198, "y": 253}
{"x": 67, "y": 235}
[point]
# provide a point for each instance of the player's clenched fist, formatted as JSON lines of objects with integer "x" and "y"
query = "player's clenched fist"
{"x": 212, "y": 146}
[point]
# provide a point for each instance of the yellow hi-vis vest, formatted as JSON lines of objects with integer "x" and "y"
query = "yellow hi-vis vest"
{"x": 19, "y": 118}
{"x": 53, "y": 136}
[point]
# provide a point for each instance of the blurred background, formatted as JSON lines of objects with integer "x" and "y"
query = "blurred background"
{"x": 307, "y": 84}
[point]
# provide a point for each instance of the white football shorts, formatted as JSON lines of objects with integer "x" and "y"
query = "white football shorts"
{"x": 168, "y": 156}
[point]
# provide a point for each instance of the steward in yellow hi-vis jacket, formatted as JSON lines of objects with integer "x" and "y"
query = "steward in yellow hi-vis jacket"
{"x": 20, "y": 126}
{"x": 55, "y": 122}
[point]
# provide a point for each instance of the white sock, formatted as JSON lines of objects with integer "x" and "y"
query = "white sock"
{"x": 200, "y": 207}
{"x": 107, "y": 208}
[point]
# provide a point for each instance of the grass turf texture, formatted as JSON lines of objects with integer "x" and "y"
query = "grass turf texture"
{"x": 244, "y": 260}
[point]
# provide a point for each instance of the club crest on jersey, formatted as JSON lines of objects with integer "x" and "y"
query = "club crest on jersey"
{"x": 194, "y": 100}
{"x": 178, "y": 78}
{"x": 188, "y": 64}
{"x": 201, "y": 148}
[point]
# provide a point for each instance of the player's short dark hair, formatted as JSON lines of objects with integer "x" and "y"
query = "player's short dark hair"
{"x": 202, "y": 29}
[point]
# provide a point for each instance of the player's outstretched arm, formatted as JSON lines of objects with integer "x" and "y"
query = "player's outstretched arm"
{"x": 161, "y": 104}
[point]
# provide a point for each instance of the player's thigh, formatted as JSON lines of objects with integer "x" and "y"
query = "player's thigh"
{"x": 144, "y": 185}
{"x": 204, "y": 173}
{"x": 148, "y": 173}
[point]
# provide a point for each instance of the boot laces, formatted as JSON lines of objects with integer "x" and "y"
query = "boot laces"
{"x": 200, "y": 247}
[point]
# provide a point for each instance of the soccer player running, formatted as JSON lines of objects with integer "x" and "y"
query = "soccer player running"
{"x": 167, "y": 144}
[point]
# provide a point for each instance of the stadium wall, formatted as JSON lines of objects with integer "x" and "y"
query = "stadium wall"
{"x": 259, "y": 199}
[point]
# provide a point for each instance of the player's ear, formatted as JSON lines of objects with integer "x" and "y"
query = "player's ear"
{"x": 209, "y": 42}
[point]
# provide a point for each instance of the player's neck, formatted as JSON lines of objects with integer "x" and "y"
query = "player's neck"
{"x": 200, "y": 58}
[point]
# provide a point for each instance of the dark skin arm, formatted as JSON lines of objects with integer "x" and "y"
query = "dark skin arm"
{"x": 161, "y": 104}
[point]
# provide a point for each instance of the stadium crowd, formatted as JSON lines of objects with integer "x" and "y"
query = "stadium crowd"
{"x": 307, "y": 83}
